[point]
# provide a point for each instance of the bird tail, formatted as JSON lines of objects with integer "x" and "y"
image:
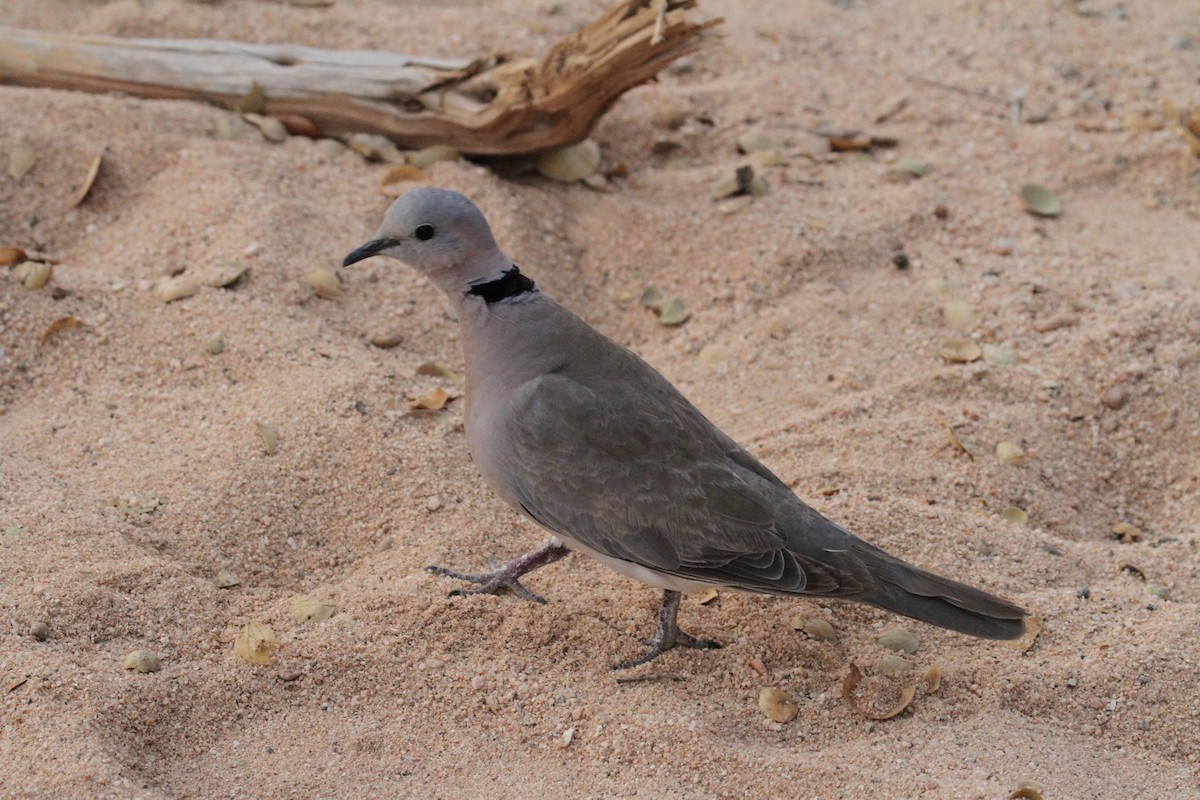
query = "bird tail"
{"x": 905, "y": 589}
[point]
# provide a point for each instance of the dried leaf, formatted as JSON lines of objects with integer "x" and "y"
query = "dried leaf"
{"x": 141, "y": 660}
{"x": 299, "y": 125}
{"x": 325, "y": 283}
{"x": 1025, "y": 792}
{"x": 933, "y": 678}
{"x": 673, "y": 313}
{"x": 254, "y": 101}
{"x": 433, "y": 402}
{"x": 82, "y": 192}
{"x": 777, "y": 705}
{"x": 1016, "y": 515}
{"x": 34, "y": 274}
{"x": 1127, "y": 532}
{"x": 254, "y": 643}
{"x": 396, "y": 181}
{"x": 272, "y": 129}
{"x": 431, "y": 155}
{"x": 956, "y": 443}
{"x": 571, "y": 163}
{"x": 960, "y": 350}
{"x": 11, "y": 256}
{"x": 269, "y": 436}
{"x": 1033, "y": 629}
{"x": 312, "y": 609}
{"x": 59, "y": 325}
{"x": 1010, "y": 453}
{"x": 223, "y": 274}
{"x": 851, "y": 682}
{"x": 1040, "y": 201}
{"x": 177, "y": 288}
{"x": 20, "y": 160}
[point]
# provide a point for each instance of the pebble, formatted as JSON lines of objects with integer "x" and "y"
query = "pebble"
{"x": 224, "y": 579}
{"x": 1015, "y": 514}
{"x": 434, "y": 503}
{"x": 142, "y": 660}
{"x": 899, "y": 640}
{"x": 1063, "y": 319}
{"x": 215, "y": 344}
{"x": 39, "y": 631}
{"x": 1115, "y": 398}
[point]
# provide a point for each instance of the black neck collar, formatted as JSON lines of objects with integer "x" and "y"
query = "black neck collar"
{"x": 511, "y": 284}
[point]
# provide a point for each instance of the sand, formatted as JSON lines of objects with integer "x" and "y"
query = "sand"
{"x": 132, "y": 469}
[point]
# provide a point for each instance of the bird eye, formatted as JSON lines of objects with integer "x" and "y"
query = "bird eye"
{"x": 424, "y": 232}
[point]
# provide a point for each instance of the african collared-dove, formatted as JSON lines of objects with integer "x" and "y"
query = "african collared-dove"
{"x": 593, "y": 444}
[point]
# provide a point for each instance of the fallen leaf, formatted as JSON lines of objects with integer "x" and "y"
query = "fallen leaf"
{"x": 1040, "y": 201}
{"x": 59, "y": 325}
{"x": 269, "y": 436}
{"x": 312, "y": 609}
{"x": 1033, "y": 629}
{"x": 254, "y": 643}
{"x": 10, "y": 256}
{"x": 851, "y": 682}
{"x": 777, "y": 705}
{"x": 1025, "y": 792}
{"x": 82, "y": 192}
{"x": 956, "y": 443}
{"x": 20, "y": 160}
{"x": 254, "y": 101}
{"x": 433, "y": 402}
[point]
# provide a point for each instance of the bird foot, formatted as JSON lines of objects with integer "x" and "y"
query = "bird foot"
{"x": 507, "y": 577}
{"x": 669, "y": 635}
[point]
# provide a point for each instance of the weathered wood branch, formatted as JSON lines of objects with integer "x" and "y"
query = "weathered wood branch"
{"x": 490, "y": 106}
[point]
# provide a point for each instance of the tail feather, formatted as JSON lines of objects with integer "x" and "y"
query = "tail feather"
{"x": 922, "y": 595}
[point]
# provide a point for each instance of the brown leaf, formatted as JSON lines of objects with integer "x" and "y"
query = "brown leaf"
{"x": 82, "y": 192}
{"x": 254, "y": 101}
{"x": 298, "y": 125}
{"x": 10, "y": 256}
{"x": 1033, "y": 629}
{"x": 434, "y": 402}
{"x": 850, "y": 683}
{"x": 61, "y": 324}
{"x": 1025, "y": 792}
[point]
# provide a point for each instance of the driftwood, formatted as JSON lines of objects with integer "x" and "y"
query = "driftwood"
{"x": 491, "y": 106}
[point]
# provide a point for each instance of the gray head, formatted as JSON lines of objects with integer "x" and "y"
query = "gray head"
{"x": 439, "y": 233}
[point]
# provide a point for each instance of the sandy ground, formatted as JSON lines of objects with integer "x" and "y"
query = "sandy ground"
{"x": 131, "y": 469}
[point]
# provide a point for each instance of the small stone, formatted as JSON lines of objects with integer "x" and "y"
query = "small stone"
{"x": 1072, "y": 682}
{"x": 434, "y": 503}
{"x": 888, "y": 664}
{"x": 999, "y": 355}
{"x": 899, "y": 640}
{"x": 34, "y": 274}
{"x": 941, "y": 211}
{"x": 177, "y": 288}
{"x": 777, "y": 705}
{"x": 386, "y": 341}
{"x": 1064, "y": 319}
{"x": 1115, "y": 398}
{"x": 1127, "y": 532}
{"x": 214, "y": 344}
{"x": 141, "y": 660}
{"x": 567, "y": 737}
{"x": 39, "y": 631}
{"x": 571, "y": 163}
{"x": 1010, "y": 453}
{"x": 754, "y": 141}
{"x": 1158, "y": 590}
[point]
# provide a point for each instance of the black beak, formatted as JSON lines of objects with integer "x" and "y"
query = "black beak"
{"x": 373, "y": 247}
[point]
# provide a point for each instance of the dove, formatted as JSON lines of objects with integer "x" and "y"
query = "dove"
{"x": 590, "y": 442}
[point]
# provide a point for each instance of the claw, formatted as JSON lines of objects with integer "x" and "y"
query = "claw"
{"x": 505, "y": 577}
{"x": 669, "y": 635}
